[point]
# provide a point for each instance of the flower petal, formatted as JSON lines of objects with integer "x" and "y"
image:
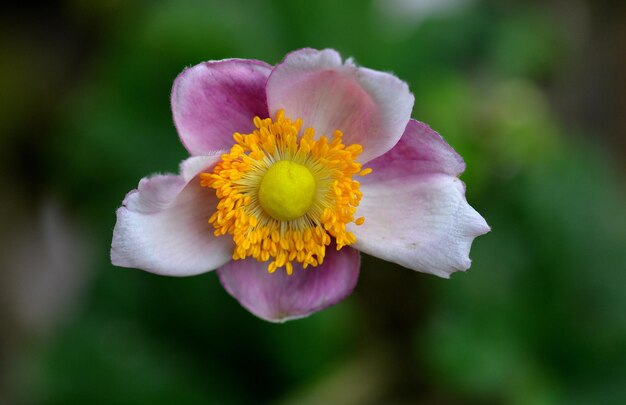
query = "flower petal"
{"x": 213, "y": 100}
{"x": 415, "y": 209}
{"x": 278, "y": 297}
{"x": 162, "y": 227}
{"x": 423, "y": 223}
{"x": 194, "y": 165}
{"x": 420, "y": 151}
{"x": 371, "y": 108}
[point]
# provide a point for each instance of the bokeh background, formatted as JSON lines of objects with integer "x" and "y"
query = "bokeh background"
{"x": 531, "y": 93}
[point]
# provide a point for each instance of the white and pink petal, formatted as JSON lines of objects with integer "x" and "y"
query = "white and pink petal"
{"x": 420, "y": 151}
{"x": 415, "y": 209}
{"x": 213, "y": 100}
{"x": 191, "y": 167}
{"x": 424, "y": 224}
{"x": 279, "y": 297}
{"x": 371, "y": 108}
{"x": 162, "y": 227}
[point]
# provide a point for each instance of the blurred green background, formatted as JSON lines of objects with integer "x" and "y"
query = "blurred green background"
{"x": 531, "y": 94}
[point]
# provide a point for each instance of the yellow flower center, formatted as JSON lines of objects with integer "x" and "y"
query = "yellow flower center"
{"x": 287, "y": 190}
{"x": 283, "y": 196}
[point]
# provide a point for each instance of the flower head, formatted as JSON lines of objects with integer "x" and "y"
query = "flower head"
{"x": 294, "y": 169}
{"x": 285, "y": 196}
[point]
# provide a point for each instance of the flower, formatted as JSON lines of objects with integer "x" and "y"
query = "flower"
{"x": 294, "y": 169}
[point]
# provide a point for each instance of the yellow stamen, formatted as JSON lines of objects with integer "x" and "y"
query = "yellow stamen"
{"x": 284, "y": 195}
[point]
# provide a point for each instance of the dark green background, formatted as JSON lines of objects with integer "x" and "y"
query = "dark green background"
{"x": 529, "y": 93}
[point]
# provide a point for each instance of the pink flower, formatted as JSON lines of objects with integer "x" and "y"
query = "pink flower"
{"x": 331, "y": 165}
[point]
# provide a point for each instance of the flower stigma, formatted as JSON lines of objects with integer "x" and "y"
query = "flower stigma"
{"x": 287, "y": 190}
{"x": 284, "y": 196}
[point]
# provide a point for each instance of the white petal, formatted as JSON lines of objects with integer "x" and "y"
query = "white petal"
{"x": 190, "y": 167}
{"x": 424, "y": 223}
{"x": 162, "y": 227}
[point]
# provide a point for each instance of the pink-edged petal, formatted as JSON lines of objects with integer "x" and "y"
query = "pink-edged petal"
{"x": 213, "y": 100}
{"x": 371, "y": 108}
{"x": 415, "y": 209}
{"x": 278, "y": 297}
{"x": 423, "y": 223}
{"x": 420, "y": 151}
{"x": 162, "y": 227}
